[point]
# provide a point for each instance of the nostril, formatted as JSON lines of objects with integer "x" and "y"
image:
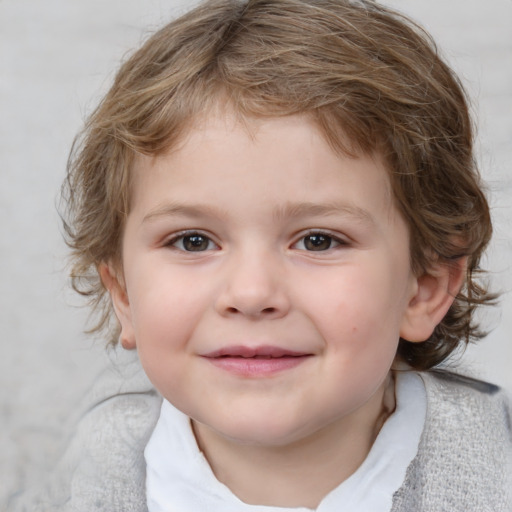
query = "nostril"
{"x": 265, "y": 311}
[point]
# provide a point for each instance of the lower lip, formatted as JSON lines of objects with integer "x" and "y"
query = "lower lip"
{"x": 257, "y": 367}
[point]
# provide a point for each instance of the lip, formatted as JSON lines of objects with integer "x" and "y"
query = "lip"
{"x": 258, "y": 361}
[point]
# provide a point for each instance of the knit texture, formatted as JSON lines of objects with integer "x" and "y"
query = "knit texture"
{"x": 103, "y": 468}
{"x": 465, "y": 452}
{"x": 463, "y": 462}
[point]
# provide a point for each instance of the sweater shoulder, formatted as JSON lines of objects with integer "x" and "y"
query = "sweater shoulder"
{"x": 482, "y": 405}
{"x": 465, "y": 451}
{"x": 463, "y": 383}
{"x": 103, "y": 467}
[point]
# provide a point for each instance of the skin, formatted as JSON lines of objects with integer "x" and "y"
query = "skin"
{"x": 259, "y": 235}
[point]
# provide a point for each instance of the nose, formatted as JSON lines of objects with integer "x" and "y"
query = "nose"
{"x": 254, "y": 286}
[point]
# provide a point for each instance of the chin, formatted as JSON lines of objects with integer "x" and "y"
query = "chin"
{"x": 261, "y": 432}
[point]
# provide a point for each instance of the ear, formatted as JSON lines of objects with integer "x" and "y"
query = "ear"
{"x": 117, "y": 289}
{"x": 435, "y": 292}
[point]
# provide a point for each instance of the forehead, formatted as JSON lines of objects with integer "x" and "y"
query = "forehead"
{"x": 228, "y": 153}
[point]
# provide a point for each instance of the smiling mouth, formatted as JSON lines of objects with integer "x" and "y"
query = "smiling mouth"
{"x": 256, "y": 361}
{"x": 261, "y": 352}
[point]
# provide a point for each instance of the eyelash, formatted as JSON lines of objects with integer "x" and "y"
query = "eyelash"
{"x": 326, "y": 236}
{"x": 323, "y": 236}
{"x": 173, "y": 242}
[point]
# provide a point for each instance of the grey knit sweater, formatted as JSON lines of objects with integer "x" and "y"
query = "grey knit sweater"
{"x": 463, "y": 462}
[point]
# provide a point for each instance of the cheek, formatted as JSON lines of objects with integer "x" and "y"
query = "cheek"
{"x": 164, "y": 322}
{"x": 355, "y": 309}
{"x": 165, "y": 307}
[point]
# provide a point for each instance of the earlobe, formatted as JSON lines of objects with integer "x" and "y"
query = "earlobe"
{"x": 119, "y": 297}
{"x": 434, "y": 294}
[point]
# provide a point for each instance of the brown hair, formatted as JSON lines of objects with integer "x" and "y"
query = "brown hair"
{"x": 366, "y": 74}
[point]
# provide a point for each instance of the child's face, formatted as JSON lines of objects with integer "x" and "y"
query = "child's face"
{"x": 265, "y": 244}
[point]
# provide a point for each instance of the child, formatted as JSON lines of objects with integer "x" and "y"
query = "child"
{"x": 279, "y": 200}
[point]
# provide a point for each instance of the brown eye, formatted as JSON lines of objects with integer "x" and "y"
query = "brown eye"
{"x": 195, "y": 242}
{"x": 318, "y": 242}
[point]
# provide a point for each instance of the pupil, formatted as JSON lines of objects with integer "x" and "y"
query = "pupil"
{"x": 317, "y": 242}
{"x": 195, "y": 243}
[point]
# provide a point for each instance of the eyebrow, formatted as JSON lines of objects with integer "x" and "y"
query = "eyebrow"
{"x": 290, "y": 210}
{"x": 196, "y": 211}
{"x": 282, "y": 212}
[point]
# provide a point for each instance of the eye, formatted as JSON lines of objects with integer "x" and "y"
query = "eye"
{"x": 193, "y": 242}
{"x": 318, "y": 242}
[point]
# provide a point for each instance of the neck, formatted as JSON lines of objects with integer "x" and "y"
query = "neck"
{"x": 302, "y": 473}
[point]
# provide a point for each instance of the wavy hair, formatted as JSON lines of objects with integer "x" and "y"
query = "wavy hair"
{"x": 371, "y": 79}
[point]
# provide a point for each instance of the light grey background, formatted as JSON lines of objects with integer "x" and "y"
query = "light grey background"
{"x": 57, "y": 57}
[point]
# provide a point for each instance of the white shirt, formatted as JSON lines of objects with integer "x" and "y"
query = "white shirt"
{"x": 179, "y": 479}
